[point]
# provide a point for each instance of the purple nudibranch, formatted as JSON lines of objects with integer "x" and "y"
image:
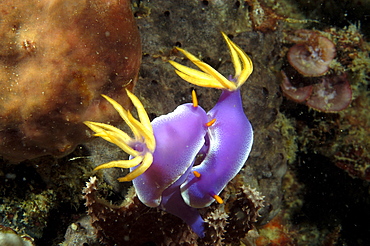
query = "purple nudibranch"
{"x": 230, "y": 140}
{"x": 163, "y": 152}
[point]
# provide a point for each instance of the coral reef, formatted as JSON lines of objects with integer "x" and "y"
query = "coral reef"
{"x": 159, "y": 84}
{"x": 30, "y": 214}
{"x": 343, "y": 137}
{"x": 327, "y": 141}
{"x": 31, "y": 195}
{"x": 325, "y": 194}
{"x": 57, "y": 57}
{"x": 122, "y": 225}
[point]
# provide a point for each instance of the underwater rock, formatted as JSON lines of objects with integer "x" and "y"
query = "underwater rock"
{"x": 355, "y": 161}
{"x": 81, "y": 232}
{"x": 263, "y": 18}
{"x": 57, "y": 57}
{"x": 29, "y": 215}
{"x": 9, "y": 237}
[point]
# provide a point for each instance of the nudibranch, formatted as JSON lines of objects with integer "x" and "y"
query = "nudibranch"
{"x": 161, "y": 154}
{"x": 229, "y": 139}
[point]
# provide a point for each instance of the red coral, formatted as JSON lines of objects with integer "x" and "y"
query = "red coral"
{"x": 298, "y": 94}
{"x": 303, "y": 80}
{"x": 312, "y": 55}
{"x": 332, "y": 94}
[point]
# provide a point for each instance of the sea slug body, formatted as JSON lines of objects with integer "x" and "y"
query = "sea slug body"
{"x": 230, "y": 141}
{"x": 179, "y": 136}
{"x": 161, "y": 154}
{"x": 230, "y": 138}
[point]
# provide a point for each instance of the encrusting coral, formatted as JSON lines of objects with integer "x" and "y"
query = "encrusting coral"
{"x": 57, "y": 57}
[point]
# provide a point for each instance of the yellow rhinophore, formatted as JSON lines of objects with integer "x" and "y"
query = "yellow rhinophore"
{"x": 143, "y": 137}
{"x": 210, "y": 77}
